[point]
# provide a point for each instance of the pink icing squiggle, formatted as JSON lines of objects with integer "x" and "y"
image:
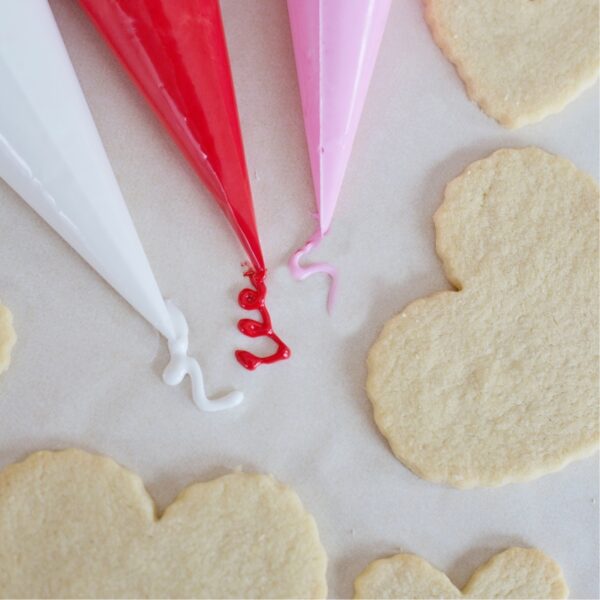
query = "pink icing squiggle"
{"x": 301, "y": 272}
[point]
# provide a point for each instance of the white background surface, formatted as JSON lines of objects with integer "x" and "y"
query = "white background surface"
{"x": 86, "y": 367}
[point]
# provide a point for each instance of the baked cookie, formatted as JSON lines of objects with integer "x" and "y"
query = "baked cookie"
{"x": 73, "y": 524}
{"x": 498, "y": 381}
{"x": 514, "y": 573}
{"x": 7, "y": 337}
{"x": 520, "y": 60}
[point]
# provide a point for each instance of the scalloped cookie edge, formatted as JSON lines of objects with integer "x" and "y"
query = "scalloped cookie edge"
{"x": 8, "y": 337}
{"x": 560, "y": 589}
{"x": 146, "y": 503}
{"x": 444, "y": 252}
{"x": 510, "y": 120}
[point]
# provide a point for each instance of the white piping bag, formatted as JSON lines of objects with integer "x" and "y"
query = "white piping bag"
{"x": 52, "y": 156}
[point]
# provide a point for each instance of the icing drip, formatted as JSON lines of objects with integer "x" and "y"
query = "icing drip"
{"x": 254, "y": 299}
{"x": 180, "y": 365}
{"x": 302, "y": 272}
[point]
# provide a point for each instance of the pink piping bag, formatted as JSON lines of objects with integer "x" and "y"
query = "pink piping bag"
{"x": 52, "y": 156}
{"x": 335, "y": 44}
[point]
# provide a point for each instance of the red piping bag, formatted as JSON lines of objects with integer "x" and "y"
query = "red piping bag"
{"x": 176, "y": 53}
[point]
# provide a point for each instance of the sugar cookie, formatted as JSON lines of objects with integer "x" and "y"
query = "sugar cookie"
{"x": 514, "y": 573}
{"x": 498, "y": 382}
{"x": 73, "y": 524}
{"x": 520, "y": 60}
{"x": 7, "y": 337}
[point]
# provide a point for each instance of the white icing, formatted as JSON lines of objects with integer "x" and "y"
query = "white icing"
{"x": 180, "y": 365}
{"x": 52, "y": 156}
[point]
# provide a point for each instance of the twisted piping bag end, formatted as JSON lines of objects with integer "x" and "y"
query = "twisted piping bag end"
{"x": 180, "y": 365}
{"x": 301, "y": 272}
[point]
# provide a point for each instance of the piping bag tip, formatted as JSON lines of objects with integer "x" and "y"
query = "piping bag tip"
{"x": 180, "y": 365}
{"x": 301, "y": 272}
{"x": 254, "y": 299}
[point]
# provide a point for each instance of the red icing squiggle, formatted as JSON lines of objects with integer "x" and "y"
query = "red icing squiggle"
{"x": 254, "y": 299}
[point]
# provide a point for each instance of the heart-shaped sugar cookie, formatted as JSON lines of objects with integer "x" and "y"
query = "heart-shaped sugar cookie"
{"x": 7, "y": 337}
{"x": 520, "y": 60}
{"x": 514, "y": 573}
{"x": 74, "y": 524}
{"x": 498, "y": 381}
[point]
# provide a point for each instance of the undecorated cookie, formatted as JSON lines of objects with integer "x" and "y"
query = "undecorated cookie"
{"x": 7, "y": 337}
{"x": 514, "y": 573}
{"x": 520, "y": 60}
{"x": 77, "y": 525}
{"x": 498, "y": 381}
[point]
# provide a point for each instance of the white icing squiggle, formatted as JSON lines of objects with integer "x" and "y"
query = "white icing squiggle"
{"x": 180, "y": 365}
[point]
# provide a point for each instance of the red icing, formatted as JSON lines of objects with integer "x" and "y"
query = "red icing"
{"x": 254, "y": 299}
{"x": 176, "y": 53}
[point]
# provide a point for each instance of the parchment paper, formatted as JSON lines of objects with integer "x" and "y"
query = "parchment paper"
{"x": 86, "y": 368}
